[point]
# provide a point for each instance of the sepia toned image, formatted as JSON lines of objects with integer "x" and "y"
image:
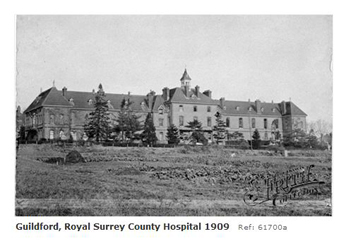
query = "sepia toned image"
{"x": 174, "y": 115}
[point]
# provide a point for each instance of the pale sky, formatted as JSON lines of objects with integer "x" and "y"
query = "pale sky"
{"x": 236, "y": 57}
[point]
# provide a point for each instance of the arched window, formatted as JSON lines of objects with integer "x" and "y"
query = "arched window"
{"x": 227, "y": 122}
{"x": 51, "y": 134}
{"x": 275, "y": 124}
{"x": 253, "y": 123}
{"x": 240, "y": 122}
{"x": 265, "y": 122}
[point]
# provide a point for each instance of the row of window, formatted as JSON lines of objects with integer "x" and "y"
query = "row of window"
{"x": 195, "y": 109}
{"x": 240, "y": 122}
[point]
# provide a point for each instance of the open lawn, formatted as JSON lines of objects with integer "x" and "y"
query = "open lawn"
{"x": 182, "y": 181}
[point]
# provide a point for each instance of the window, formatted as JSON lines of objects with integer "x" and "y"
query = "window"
{"x": 208, "y": 109}
{"x": 209, "y": 121}
{"x": 240, "y": 122}
{"x": 181, "y": 120}
{"x": 273, "y": 110}
{"x": 181, "y": 108}
{"x": 250, "y": 108}
{"x": 90, "y": 101}
{"x": 265, "y": 124}
{"x": 194, "y": 108}
{"x": 161, "y": 109}
{"x": 227, "y": 122}
{"x": 51, "y": 119}
{"x": 253, "y": 123}
{"x": 160, "y": 122}
{"x": 51, "y": 134}
{"x": 161, "y": 136}
{"x": 237, "y": 108}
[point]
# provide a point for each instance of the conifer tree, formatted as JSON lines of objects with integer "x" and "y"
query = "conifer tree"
{"x": 173, "y": 135}
{"x": 98, "y": 124}
{"x": 256, "y": 139}
{"x": 197, "y": 135}
{"x": 149, "y": 133}
{"x": 127, "y": 121}
{"x": 219, "y": 129}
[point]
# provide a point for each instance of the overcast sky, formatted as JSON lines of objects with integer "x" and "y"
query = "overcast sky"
{"x": 236, "y": 57}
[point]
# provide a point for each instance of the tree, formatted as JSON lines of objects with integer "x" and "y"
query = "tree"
{"x": 98, "y": 124}
{"x": 296, "y": 138}
{"x": 173, "y": 135}
{"x": 149, "y": 133}
{"x": 256, "y": 139}
{"x": 311, "y": 139}
{"x": 127, "y": 122}
{"x": 236, "y": 135}
{"x": 219, "y": 129}
{"x": 196, "y": 132}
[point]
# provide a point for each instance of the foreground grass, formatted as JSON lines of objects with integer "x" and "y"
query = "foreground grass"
{"x": 157, "y": 182}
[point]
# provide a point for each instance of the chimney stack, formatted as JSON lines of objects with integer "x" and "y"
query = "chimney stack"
{"x": 197, "y": 90}
{"x": 64, "y": 91}
{"x": 150, "y": 97}
{"x": 222, "y": 102}
{"x": 283, "y": 107}
{"x": 186, "y": 90}
{"x": 207, "y": 93}
{"x": 165, "y": 93}
{"x": 258, "y": 106}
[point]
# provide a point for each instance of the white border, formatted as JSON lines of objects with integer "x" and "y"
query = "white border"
{"x": 302, "y": 230}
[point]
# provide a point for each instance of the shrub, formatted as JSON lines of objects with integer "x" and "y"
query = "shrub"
{"x": 42, "y": 140}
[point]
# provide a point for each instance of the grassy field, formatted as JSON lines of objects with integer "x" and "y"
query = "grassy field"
{"x": 183, "y": 181}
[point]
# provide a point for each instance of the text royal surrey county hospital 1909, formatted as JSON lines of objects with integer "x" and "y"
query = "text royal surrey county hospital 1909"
{"x": 121, "y": 227}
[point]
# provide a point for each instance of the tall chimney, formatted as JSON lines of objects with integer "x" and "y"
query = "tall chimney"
{"x": 186, "y": 90}
{"x": 165, "y": 93}
{"x": 64, "y": 91}
{"x": 222, "y": 102}
{"x": 150, "y": 97}
{"x": 258, "y": 106}
{"x": 283, "y": 107}
{"x": 197, "y": 90}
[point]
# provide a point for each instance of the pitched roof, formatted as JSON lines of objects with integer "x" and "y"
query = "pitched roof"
{"x": 242, "y": 108}
{"x": 49, "y": 97}
{"x": 185, "y": 76}
{"x": 81, "y": 100}
{"x": 294, "y": 110}
{"x": 53, "y": 97}
{"x": 177, "y": 95}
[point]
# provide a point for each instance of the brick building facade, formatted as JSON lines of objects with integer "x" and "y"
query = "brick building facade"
{"x": 61, "y": 113}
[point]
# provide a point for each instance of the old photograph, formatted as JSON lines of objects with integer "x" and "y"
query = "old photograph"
{"x": 174, "y": 115}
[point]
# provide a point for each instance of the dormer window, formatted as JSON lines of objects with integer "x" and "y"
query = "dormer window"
{"x": 90, "y": 101}
{"x": 250, "y": 108}
{"x": 273, "y": 110}
{"x": 237, "y": 108}
{"x": 161, "y": 109}
{"x": 262, "y": 109}
{"x": 71, "y": 101}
